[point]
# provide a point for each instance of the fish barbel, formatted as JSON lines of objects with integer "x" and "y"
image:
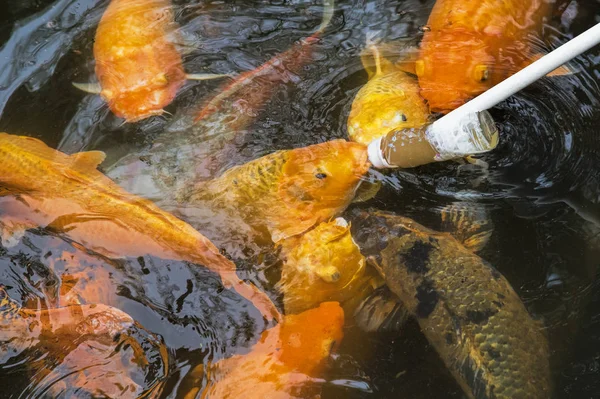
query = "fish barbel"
{"x": 285, "y": 363}
{"x": 389, "y": 100}
{"x": 467, "y": 310}
{"x": 471, "y": 45}
{"x": 287, "y": 192}
{"x": 68, "y": 194}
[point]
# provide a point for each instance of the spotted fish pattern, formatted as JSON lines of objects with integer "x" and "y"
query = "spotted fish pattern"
{"x": 467, "y": 310}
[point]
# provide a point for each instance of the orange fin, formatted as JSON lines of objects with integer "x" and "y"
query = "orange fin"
{"x": 562, "y": 70}
{"x": 87, "y": 161}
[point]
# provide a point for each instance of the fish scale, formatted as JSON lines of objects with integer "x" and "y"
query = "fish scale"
{"x": 467, "y": 310}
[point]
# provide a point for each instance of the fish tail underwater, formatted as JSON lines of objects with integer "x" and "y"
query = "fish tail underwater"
{"x": 201, "y": 216}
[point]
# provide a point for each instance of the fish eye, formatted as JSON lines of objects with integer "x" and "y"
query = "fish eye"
{"x": 404, "y": 119}
{"x": 481, "y": 73}
{"x": 320, "y": 176}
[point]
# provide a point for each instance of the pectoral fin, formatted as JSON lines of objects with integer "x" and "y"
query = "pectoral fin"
{"x": 207, "y": 76}
{"x": 366, "y": 191}
{"x": 469, "y": 223}
{"x": 92, "y": 88}
{"x": 381, "y": 311}
{"x": 87, "y": 161}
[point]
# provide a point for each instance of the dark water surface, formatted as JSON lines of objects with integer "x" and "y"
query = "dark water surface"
{"x": 543, "y": 188}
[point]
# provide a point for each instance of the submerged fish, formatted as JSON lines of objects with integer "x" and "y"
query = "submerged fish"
{"x": 324, "y": 264}
{"x": 389, "y": 100}
{"x": 472, "y": 45}
{"x": 255, "y": 87}
{"x": 78, "y": 344}
{"x": 467, "y": 310}
{"x": 287, "y": 192}
{"x": 200, "y": 147}
{"x": 286, "y": 362}
{"x": 139, "y": 68}
{"x": 67, "y": 194}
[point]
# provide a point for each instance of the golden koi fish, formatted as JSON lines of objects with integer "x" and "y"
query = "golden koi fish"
{"x": 67, "y": 194}
{"x": 389, "y": 100}
{"x": 284, "y": 364}
{"x": 288, "y": 192}
{"x": 324, "y": 264}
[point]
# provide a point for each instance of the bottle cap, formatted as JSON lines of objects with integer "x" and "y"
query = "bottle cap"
{"x": 376, "y": 155}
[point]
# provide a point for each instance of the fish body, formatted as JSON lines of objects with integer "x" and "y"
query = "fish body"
{"x": 138, "y": 68}
{"x": 78, "y": 344}
{"x": 67, "y": 194}
{"x": 390, "y": 100}
{"x": 323, "y": 264}
{"x": 287, "y": 192}
{"x": 471, "y": 45}
{"x": 199, "y": 147}
{"x": 467, "y": 310}
{"x": 285, "y": 363}
{"x": 260, "y": 82}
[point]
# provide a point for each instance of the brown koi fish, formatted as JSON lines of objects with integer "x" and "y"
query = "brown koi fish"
{"x": 467, "y": 310}
{"x": 67, "y": 194}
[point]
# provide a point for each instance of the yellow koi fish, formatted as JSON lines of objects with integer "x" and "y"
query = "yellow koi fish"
{"x": 67, "y": 194}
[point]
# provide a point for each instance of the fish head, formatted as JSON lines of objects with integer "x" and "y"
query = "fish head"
{"x": 141, "y": 101}
{"x": 452, "y": 69}
{"x": 323, "y": 264}
{"x": 307, "y": 339}
{"x": 386, "y": 102}
{"x": 323, "y": 178}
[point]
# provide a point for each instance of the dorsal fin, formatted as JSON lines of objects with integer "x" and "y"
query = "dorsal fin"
{"x": 374, "y": 61}
{"x": 87, "y": 161}
{"x": 469, "y": 223}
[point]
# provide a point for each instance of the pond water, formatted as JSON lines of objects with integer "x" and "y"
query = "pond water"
{"x": 542, "y": 190}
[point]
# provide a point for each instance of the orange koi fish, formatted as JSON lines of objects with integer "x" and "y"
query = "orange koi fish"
{"x": 79, "y": 344}
{"x": 259, "y": 83}
{"x": 472, "y": 45}
{"x": 139, "y": 69}
{"x": 67, "y": 194}
{"x": 284, "y": 364}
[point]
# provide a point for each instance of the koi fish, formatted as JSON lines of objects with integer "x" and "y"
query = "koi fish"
{"x": 199, "y": 148}
{"x": 260, "y": 82}
{"x": 324, "y": 264}
{"x": 467, "y": 310}
{"x": 79, "y": 343}
{"x": 389, "y": 100}
{"x": 471, "y": 45}
{"x": 284, "y": 364}
{"x": 287, "y": 192}
{"x": 67, "y": 194}
{"x": 138, "y": 68}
